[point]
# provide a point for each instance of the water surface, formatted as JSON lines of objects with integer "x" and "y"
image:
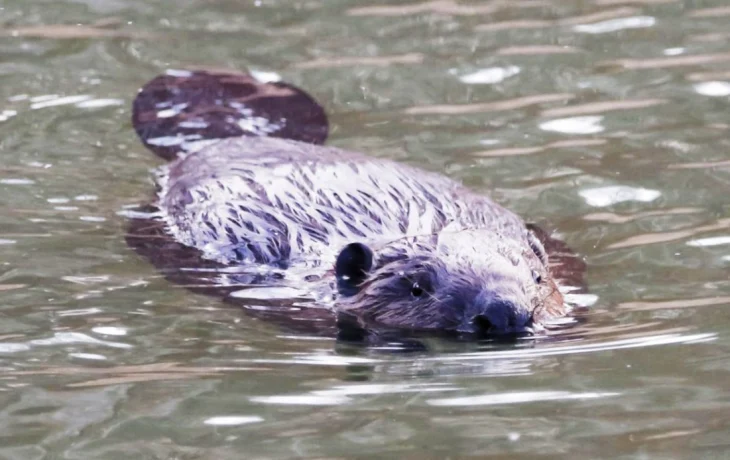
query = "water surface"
{"x": 607, "y": 120}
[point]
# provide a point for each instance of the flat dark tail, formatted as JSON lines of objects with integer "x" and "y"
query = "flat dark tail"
{"x": 179, "y": 110}
{"x": 173, "y": 113}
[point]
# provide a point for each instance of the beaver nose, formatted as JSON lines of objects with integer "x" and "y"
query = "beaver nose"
{"x": 490, "y": 314}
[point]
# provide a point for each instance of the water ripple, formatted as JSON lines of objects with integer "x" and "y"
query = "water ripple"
{"x": 302, "y": 400}
{"x": 574, "y": 125}
{"x": 490, "y": 75}
{"x": 516, "y": 398}
{"x": 620, "y": 344}
{"x": 615, "y": 25}
{"x": 713, "y": 88}
{"x": 601, "y": 197}
{"x": 60, "y": 339}
{"x": 232, "y": 420}
{"x": 496, "y": 106}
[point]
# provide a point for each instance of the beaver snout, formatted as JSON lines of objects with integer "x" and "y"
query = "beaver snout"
{"x": 494, "y": 315}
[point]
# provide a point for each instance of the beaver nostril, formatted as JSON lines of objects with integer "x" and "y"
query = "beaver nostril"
{"x": 496, "y": 315}
{"x": 482, "y": 324}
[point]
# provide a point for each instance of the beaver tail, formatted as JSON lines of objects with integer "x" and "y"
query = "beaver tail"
{"x": 181, "y": 110}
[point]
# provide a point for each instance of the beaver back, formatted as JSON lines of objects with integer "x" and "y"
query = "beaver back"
{"x": 276, "y": 201}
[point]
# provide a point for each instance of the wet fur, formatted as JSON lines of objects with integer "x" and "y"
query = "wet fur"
{"x": 291, "y": 205}
{"x": 269, "y": 200}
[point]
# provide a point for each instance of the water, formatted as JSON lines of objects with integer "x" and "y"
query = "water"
{"x": 605, "y": 119}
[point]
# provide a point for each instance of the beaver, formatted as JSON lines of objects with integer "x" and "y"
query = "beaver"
{"x": 258, "y": 200}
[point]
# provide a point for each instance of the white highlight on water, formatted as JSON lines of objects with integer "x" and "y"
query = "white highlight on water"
{"x": 712, "y": 241}
{"x": 265, "y": 76}
{"x": 607, "y": 196}
{"x": 614, "y": 25}
{"x": 490, "y": 75}
{"x": 574, "y": 125}
{"x": 516, "y": 398}
{"x": 17, "y": 181}
{"x": 109, "y": 330}
{"x": 233, "y": 420}
{"x": 713, "y": 88}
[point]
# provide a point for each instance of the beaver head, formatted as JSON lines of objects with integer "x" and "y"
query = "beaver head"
{"x": 465, "y": 282}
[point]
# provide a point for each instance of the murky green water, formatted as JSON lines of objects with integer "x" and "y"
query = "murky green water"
{"x": 607, "y": 119}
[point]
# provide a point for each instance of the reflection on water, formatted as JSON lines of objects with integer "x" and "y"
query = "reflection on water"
{"x": 604, "y": 121}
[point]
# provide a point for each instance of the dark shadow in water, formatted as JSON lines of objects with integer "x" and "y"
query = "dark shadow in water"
{"x": 185, "y": 266}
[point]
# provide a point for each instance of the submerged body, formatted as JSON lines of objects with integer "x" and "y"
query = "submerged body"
{"x": 391, "y": 244}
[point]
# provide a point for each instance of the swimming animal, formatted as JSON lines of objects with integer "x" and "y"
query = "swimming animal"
{"x": 251, "y": 198}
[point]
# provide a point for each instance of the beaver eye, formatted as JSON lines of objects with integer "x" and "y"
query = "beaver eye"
{"x": 416, "y": 290}
{"x": 537, "y": 276}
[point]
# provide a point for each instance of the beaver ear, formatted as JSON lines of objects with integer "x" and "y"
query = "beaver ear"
{"x": 352, "y": 267}
{"x": 537, "y": 247}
